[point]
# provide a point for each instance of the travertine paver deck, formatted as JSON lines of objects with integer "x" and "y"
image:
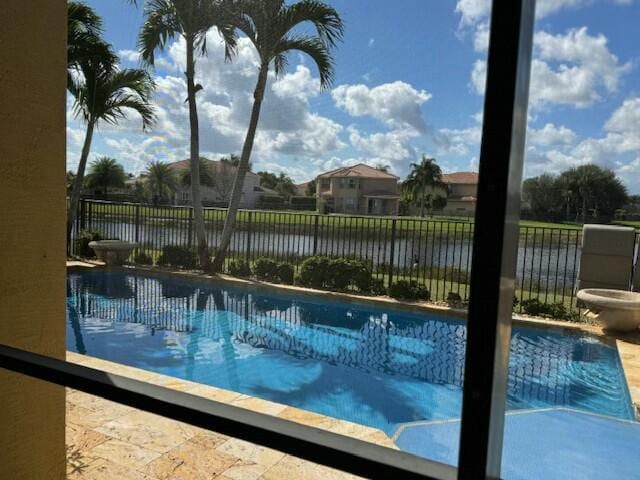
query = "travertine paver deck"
{"x": 106, "y": 440}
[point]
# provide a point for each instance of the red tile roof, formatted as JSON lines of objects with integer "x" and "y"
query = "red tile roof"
{"x": 467, "y": 178}
{"x": 359, "y": 170}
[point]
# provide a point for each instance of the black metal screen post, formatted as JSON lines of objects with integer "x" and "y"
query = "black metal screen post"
{"x": 495, "y": 241}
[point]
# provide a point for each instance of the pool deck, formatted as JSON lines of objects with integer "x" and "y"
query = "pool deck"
{"x": 106, "y": 440}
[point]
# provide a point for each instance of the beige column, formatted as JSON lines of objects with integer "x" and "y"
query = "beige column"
{"x": 32, "y": 230}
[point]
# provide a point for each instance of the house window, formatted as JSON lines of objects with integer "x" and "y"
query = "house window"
{"x": 325, "y": 184}
{"x": 352, "y": 183}
{"x": 185, "y": 196}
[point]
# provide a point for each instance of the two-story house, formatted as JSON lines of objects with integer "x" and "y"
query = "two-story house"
{"x": 358, "y": 189}
{"x": 462, "y": 190}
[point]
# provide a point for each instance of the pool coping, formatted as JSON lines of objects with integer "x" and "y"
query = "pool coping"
{"x": 627, "y": 344}
{"x": 237, "y": 399}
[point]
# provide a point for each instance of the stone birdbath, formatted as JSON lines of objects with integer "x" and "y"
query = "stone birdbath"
{"x": 112, "y": 252}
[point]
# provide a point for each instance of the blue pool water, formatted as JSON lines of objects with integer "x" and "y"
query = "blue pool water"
{"x": 376, "y": 367}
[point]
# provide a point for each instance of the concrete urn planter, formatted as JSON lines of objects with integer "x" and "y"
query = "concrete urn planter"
{"x": 112, "y": 252}
{"x": 614, "y": 309}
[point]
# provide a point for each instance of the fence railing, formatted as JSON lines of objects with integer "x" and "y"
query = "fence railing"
{"x": 436, "y": 253}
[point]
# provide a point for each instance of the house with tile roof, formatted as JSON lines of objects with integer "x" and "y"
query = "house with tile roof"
{"x": 462, "y": 189}
{"x": 358, "y": 189}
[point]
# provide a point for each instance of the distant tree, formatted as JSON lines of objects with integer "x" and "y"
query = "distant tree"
{"x": 543, "y": 197}
{"x": 283, "y": 184}
{"x": 206, "y": 175}
{"x": 161, "y": 180}
{"x": 270, "y": 25}
{"x": 105, "y": 173}
{"x": 311, "y": 188}
{"x": 233, "y": 160}
{"x": 597, "y": 191}
{"x": 422, "y": 183}
{"x": 383, "y": 167}
{"x": 576, "y": 194}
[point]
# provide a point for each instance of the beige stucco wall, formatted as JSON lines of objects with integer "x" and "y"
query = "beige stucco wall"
{"x": 32, "y": 224}
{"x": 463, "y": 190}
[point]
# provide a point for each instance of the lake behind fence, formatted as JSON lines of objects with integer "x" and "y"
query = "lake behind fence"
{"x": 434, "y": 252}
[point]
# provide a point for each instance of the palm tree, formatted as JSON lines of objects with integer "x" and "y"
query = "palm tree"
{"x": 269, "y": 25}
{"x": 106, "y": 96}
{"x": 161, "y": 179}
{"x": 205, "y": 174}
{"x": 191, "y": 20}
{"x": 422, "y": 182}
{"x": 104, "y": 173}
{"x": 84, "y": 40}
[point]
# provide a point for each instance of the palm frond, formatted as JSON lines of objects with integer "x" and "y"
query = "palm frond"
{"x": 316, "y": 50}
{"x": 161, "y": 24}
{"x": 324, "y": 18}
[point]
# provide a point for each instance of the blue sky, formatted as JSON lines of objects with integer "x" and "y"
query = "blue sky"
{"x": 408, "y": 81}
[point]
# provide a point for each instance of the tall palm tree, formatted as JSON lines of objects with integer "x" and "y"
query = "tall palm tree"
{"x": 191, "y": 20}
{"x": 161, "y": 179}
{"x": 84, "y": 40}
{"x": 106, "y": 96}
{"x": 269, "y": 25}
{"x": 423, "y": 181}
{"x": 105, "y": 173}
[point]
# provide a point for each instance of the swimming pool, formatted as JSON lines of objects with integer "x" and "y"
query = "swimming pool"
{"x": 373, "y": 366}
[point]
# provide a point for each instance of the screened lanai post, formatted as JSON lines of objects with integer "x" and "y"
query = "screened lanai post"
{"x": 495, "y": 241}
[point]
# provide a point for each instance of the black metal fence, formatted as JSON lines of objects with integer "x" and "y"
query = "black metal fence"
{"x": 436, "y": 253}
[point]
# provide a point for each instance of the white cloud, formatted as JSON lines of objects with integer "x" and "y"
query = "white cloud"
{"x": 574, "y": 69}
{"x": 132, "y": 56}
{"x": 473, "y": 11}
{"x": 397, "y": 104}
{"x": 459, "y": 141}
{"x": 393, "y": 146}
{"x": 299, "y": 84}
{"x": 618, "y": 149}
{"x": 288, "y": 126}
{"x": 371, "y": 42}
{"x": 551, "y": 135}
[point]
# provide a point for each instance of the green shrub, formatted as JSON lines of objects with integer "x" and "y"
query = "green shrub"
{"x": 82, "y": 242}
{"x": 285, "y": 273}
{"x": 409, "y": 290}
{"x": 335, "y": 273}
{"x": 239, "y": 268}
{"x": 535, "y": 307}
{"x": 377, "y": 287}
{"x": 340, "y": 273}
{"x": 454, "y": 298}
{"x": 266, "y": 269}
{"x": 178, "y": 256}
{"x": 315, "y": 272}
{"x": 142, "y": 258}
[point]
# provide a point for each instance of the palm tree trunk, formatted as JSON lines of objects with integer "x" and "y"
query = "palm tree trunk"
{"x": 196, "y": 197}
{"x": 421, "y": 204}
{"x": 77, "y": 184}
{"x": 243, "y": 167}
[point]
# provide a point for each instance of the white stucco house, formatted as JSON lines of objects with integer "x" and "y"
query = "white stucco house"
{"x": 219, "y": 193}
